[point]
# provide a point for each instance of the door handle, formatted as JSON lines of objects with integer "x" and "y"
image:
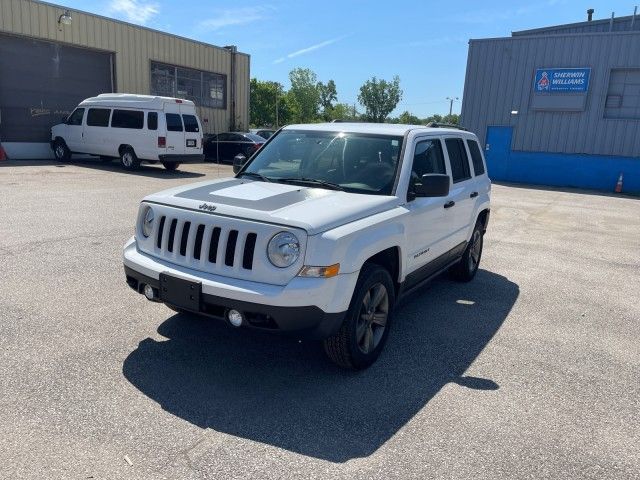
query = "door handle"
{"x": 449, "y": 204}
{"x": 473, "y": 195}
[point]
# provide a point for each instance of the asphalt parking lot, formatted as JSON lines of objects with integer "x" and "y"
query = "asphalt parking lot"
{"x": 530, "y": 371}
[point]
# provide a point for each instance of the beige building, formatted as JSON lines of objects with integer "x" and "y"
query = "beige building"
{"x": 52, "y": 57}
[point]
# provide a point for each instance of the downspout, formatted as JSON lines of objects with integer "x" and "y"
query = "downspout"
{"x": 232, "y": 104}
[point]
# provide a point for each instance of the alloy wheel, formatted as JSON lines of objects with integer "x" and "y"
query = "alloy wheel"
{"x": 372, "y": 319}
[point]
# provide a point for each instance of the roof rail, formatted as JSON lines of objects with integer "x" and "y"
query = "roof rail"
{"x": 444, "y": 125}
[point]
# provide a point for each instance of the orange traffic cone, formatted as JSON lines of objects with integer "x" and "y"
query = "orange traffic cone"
{"x": 619, "y": 184}
{"x": 3, "y": 154}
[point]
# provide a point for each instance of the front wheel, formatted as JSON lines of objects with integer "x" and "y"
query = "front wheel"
{"x": 61, "y": 151}
{"x": 364, "y": 332}
{"x": 467, "y": 267}
{"x": 171, "y": 166}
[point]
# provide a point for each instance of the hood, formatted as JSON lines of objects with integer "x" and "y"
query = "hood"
{"x": 312, "y": 209}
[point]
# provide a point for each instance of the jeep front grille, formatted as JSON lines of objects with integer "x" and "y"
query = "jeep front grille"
{"x": 205, "y": 243}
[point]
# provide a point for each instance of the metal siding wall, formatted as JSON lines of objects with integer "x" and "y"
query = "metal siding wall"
{"x": 134, "y": 47}
{"x": 499, "y": 79}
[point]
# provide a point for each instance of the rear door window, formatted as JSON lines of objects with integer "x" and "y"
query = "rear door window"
{"x": 476, "y": 157}
{"x": 190, "y": 123}
{"x": 460, "y": 170}
{"x": 152, "y": 120}
{"x": 76, "y": 117}
{"x": 174, "y": 122}
{"x": 98, "y": 117}
{"x": 127, "y": 119}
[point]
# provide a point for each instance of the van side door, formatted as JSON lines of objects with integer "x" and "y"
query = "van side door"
{"x": 96, "y": 131}
{"x": 175, "y": 133}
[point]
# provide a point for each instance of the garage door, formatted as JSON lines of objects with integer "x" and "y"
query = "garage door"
{"x": 40, "y": 82}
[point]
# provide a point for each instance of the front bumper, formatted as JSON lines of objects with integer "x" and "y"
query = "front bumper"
{"x": 308, "y": 307}
{"x": 186, "y": 158}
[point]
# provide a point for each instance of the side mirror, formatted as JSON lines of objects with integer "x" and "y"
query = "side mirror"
{"x": 238, "y": 161}
{"x": 433, "y": 185}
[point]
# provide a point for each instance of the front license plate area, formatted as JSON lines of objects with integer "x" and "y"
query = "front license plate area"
{"x": 180, "y": 293}
{"x": 191, "y": 143}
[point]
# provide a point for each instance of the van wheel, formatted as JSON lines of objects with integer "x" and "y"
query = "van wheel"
{"x": 171, "y": 166}
{"x": 467, "y": 267}
{"x": 364, "y": 332}
{"x": 61, "y": 151}
{"x": 128, "y": 159}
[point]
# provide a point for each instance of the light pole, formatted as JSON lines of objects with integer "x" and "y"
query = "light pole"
{"x": 451, "y": 100}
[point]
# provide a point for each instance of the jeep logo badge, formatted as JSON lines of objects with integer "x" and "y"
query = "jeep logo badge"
{"x": 207, "y": 208}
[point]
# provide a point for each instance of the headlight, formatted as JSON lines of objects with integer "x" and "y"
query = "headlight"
{"x": 283, "y": 249}
{"x": 147, "y": 221}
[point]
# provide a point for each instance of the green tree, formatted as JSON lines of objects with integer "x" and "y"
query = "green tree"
{"x": 379, "y": 98}
{"x": 343, "y": 111}
{"x": 264, "y": 97}
{"x": 409, "y": 118}
{"x": 328, "y": 95}
{"x": 305, "y": 95}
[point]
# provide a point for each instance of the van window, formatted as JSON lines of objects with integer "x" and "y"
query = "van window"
{"x": 174, "y": 123}
{"x": 98, "y": 117}
{"x": 458, "y": 158}
{"x": 190, "y": 123}
{"x": 76, "y": 117}
{"x": 127, "y": 119}
{"x": 152, "y": 120}
{"x": 476, "y": 157}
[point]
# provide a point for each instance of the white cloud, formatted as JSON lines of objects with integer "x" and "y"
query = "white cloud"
{"x": 234, "y": 17}
{"x": 312, "y": 48}
{"x": 136, "y": 11}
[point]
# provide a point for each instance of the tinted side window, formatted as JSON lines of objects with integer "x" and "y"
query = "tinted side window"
{"x": 224, "y": 137}
{"x": 152, "y": 120}
{"x": 458, "y": 157}
{"x": 98, "y": 117}
{"x": 127, "y": 119}
{"x": 174, "y": 123}
{"x": 476, "y": 157}
{"x": 428, "y": 158}
{"x": 234, "y": 137}
{"x": 190, "y": 123}
{"x": 76, "y": 117}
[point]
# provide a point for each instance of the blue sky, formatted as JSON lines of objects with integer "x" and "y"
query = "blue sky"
{"x": 349, "y": 41}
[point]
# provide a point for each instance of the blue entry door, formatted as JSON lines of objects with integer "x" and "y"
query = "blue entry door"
{"x": 497, "y": 151}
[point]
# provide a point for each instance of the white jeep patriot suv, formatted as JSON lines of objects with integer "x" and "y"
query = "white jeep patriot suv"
{"x": 319, "y": 233}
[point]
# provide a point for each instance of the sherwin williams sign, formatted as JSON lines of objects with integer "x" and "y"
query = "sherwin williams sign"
{"x": 562, "y": 80}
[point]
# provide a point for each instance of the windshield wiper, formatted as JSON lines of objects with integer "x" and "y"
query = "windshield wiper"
{"x": 313, "y": 182}
{"x": 256, "y": 175}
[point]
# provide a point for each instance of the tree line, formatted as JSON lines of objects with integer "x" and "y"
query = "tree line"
{"x": 309, "y": 101}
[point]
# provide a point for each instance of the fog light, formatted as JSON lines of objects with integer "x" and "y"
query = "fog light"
{"x": 149, "y": 293}
{"x": 235, "y": 318}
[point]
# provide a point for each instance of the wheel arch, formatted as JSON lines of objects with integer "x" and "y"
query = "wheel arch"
{"x": 389, "y": 259}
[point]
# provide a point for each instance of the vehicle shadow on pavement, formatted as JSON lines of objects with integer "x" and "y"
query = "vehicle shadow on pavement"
{"x": 285, "y": 393}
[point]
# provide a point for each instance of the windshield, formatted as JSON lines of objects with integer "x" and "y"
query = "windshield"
{"x": 359, "y": 163}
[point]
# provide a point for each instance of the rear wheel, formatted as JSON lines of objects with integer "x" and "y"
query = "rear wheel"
{"x": 61, "y": 151}
{"x": 364, "y": 332}
{"x": 128, "y": 159}
{"x": 171, "y": 166}
{"x": 466, "y": 269}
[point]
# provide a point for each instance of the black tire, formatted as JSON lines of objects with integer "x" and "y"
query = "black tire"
{"x": 128, "y": 159}
{"x": 364, "y": 332}
{"x": 467, "y": 267}
{"x": 61, "y": 151}
{"x": 171, "y": 166}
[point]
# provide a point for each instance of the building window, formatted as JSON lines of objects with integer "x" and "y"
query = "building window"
{"x": 623, "y": 94}
{"x": 205, "y": 89}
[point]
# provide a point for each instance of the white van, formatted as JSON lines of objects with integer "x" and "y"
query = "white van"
{"x": 133, "y": 128}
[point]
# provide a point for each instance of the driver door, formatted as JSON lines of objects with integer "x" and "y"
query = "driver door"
{"x": 429, "y": 230}
{"x": 74, "y": 130}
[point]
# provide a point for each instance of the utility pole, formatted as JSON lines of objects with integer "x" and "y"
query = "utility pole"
{"x": 451, "y": 100}
{"x": 276, "y": 85}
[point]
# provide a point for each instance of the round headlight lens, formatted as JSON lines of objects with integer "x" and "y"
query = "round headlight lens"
{"x": 147, "y": 221}
{"x": 283, "y": 249}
